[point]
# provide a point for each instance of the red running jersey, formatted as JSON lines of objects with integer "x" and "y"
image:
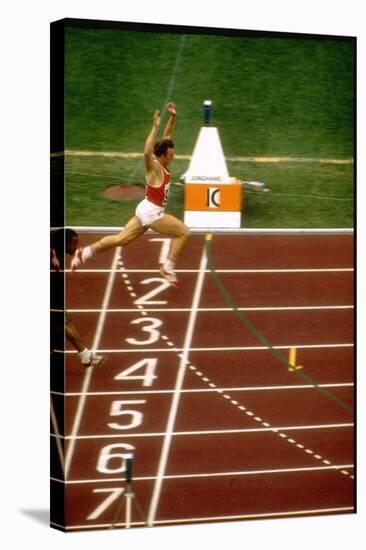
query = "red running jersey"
{"x": 159, "y": 195}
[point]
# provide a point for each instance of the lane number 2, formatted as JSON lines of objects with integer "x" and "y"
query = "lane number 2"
{"x": 145, "y": 299}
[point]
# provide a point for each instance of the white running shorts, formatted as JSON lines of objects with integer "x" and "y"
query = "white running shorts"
{"x": 148, "y": 213}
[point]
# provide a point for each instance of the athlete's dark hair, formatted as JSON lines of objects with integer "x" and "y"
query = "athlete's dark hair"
{"x": 69, "y": 234}
{"x": 60, "y": 236}
{"x": 160, "y": 147}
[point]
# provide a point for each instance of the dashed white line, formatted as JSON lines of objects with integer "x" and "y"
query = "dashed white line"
{"x": 266, "y": 425}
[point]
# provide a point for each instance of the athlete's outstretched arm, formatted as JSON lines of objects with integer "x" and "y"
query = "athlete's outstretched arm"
{"x": 169, "y": 128}
{"x": 149, "y": 143}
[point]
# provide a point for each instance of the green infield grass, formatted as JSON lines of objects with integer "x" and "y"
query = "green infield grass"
{"x": 281, "y": 98}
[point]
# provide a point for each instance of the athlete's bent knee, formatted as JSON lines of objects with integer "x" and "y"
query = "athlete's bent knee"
{"x": 186, "y": 232}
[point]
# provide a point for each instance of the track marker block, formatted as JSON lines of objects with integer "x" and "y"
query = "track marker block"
{"x": 292, "y": 361}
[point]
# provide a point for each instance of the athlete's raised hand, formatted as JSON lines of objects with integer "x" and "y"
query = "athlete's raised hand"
{"x": 171, "y": 108}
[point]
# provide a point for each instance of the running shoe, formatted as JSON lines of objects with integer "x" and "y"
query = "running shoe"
{"x": 95, "y": 361}
{"x": 170, "y": 276}
{"x": 76, "y": 260}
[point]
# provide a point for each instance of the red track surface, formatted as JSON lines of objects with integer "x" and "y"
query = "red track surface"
{"x": 249, "y": 438}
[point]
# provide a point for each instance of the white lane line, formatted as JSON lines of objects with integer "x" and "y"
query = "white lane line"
{"x": 215, "y": 519}
{"x": 210, "y": 309}
{"x": 213, "y": 474}
{"x": 58, "y": 436}
{"x": 209, "y": 390}
{"x": 230, "y": 349}
{"x": 267, "y": 428}
{"x": 303, "y": 231}
{"x": 263, "y": 515}
{"x": 239, "y": 271}
{"x": 263, "y": 159}
{"x": 89, "y": 371}
{"x": 177, "y": 391}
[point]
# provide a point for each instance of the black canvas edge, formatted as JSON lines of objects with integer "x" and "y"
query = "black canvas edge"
{"x": 355, "y": 438}
{"x": 57, "y": 280}
{"x": 187, "y": 29}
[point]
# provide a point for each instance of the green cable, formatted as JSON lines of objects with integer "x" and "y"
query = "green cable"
{"x": 253, "y": 329}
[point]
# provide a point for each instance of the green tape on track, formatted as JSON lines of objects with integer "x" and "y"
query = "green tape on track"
{"x": 263, "y": 339}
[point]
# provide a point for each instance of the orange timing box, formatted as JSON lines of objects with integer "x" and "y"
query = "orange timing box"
{"x": 224, "y": 197}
